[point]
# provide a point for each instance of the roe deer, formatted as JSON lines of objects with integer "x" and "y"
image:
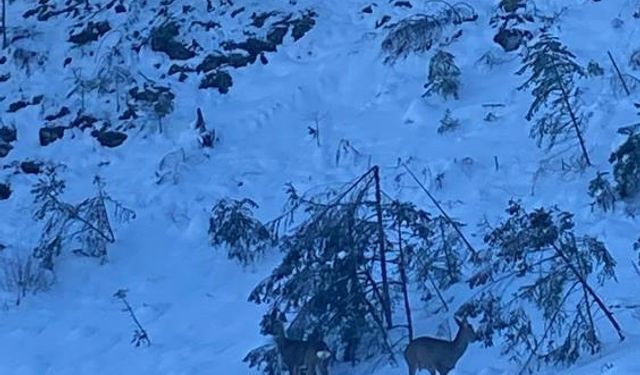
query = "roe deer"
{"x": 431, "y": 354}
{"x": 296, "y": 354}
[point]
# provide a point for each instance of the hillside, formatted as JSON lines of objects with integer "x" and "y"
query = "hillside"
{"x": 290, "y": 92}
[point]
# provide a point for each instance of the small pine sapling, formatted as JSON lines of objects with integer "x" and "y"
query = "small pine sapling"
{"x": 553, "y": 74}
{"x": 602, "y": 192}
{"x": 140, "y": 335}
{"x": 594, "y": 69}
{"x": 444, "y": 76}
{"x": 232, "y": 224}
{"x": 448, "y": 123}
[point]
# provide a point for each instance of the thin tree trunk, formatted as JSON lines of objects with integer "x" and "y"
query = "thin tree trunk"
{"x": 574, "y": 119}
{"x": 382, "y": 249}
{"x": 615, "y": 66}
{"x": 403, "y": 278}
{"x": 444, "y": 213}
{"x": 590, "y": 291}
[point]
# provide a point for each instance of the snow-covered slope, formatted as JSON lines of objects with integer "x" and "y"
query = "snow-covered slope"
{"x": 189, "y": 297}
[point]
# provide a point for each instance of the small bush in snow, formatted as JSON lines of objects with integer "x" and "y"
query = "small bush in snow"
{"x": 444, "y": 76}
{"x": 22, "y": 275}
{"x": 634, "y": 60}
{"x": 232, "y": 224}
{"x": 602, "y": 192}
{"x": 86, "y": 224}
{"x": 448, "y": 123}
{"x": 594, "y": 69}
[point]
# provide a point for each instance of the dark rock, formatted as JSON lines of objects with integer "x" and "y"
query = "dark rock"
{"x": 368, "y": 9}
{"x": 403, "y": 4}
{"x": 381, "y": 22}
{"x": 64, "y": 111}
{"x": 3, "y": 60}
{"x": 49, "y": 135}
{"x": 5, "y": 148}
{"x": 5, "y": 77}
{"x": 92, "y": 32}
{"x": 303, "y": 25}
{"x": 8, "y": 134}
{"x": 5, "y": 191}
{"x": 512, "y": 39}
{"x": 129, "y": 113}
{"x": 120, "y": 8}
{"x": 253, "y": 46}
{"x": 207, "y": 25}
{"x": 237, "y": 11}
{"x": 31, "y": 167}
{"x": 67, "y": 61}
{"x": 220, "y": 80}
{"x": 16, "y": 106}
{"x": 162, "y": 40}
{"x": 215, "y": 61}
{"x": 37, "y": 99}
{"x": 109, "y": 138}
{"x": 258, "y": 19}
{"x": 211, "y": 62}
{"x": 182, "y": 77}
{"x": 277, "y": 33}
{"x": 83, "y": 122}
{"x": 151, "y": 94}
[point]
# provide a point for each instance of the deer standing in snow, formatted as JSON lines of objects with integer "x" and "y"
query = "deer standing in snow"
{"x": 436, "y": 355}
{"x": 312, "y": 355}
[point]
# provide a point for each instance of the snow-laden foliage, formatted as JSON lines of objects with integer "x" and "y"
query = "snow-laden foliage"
{"x": 535, "y": 288}
{"x": 419, "y": 32}
{"x": 349, "y": 261}
{"x": 444, "y": 76}
{"x": 232, "y": 224}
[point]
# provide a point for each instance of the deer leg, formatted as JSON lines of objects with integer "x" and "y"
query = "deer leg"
{"x": 293, "y": 370}
{"x": 324, "y": 370}
{"x": 311, "y": 368}
{"x": 413, "y": 370}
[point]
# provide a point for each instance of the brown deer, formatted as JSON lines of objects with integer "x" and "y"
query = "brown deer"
{"x": 438, "y": 356}
{"x": 311, "y": 355}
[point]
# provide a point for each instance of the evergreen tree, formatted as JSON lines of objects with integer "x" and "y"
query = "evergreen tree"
{"x": 232, "y": 224}
{"x": 348, "y": 264}
{"x": 536, "y": 267}
{"x": 553, "y": 73}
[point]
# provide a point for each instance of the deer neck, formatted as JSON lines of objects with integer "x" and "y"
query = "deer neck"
{"x": 460, "y": 344}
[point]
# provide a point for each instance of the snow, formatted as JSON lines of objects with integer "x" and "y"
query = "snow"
{"x": 188, "y": 296}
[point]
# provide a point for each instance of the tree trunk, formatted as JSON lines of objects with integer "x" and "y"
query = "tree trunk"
{"x": 382, "y": 249}
{"x": 404, "y": 281}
